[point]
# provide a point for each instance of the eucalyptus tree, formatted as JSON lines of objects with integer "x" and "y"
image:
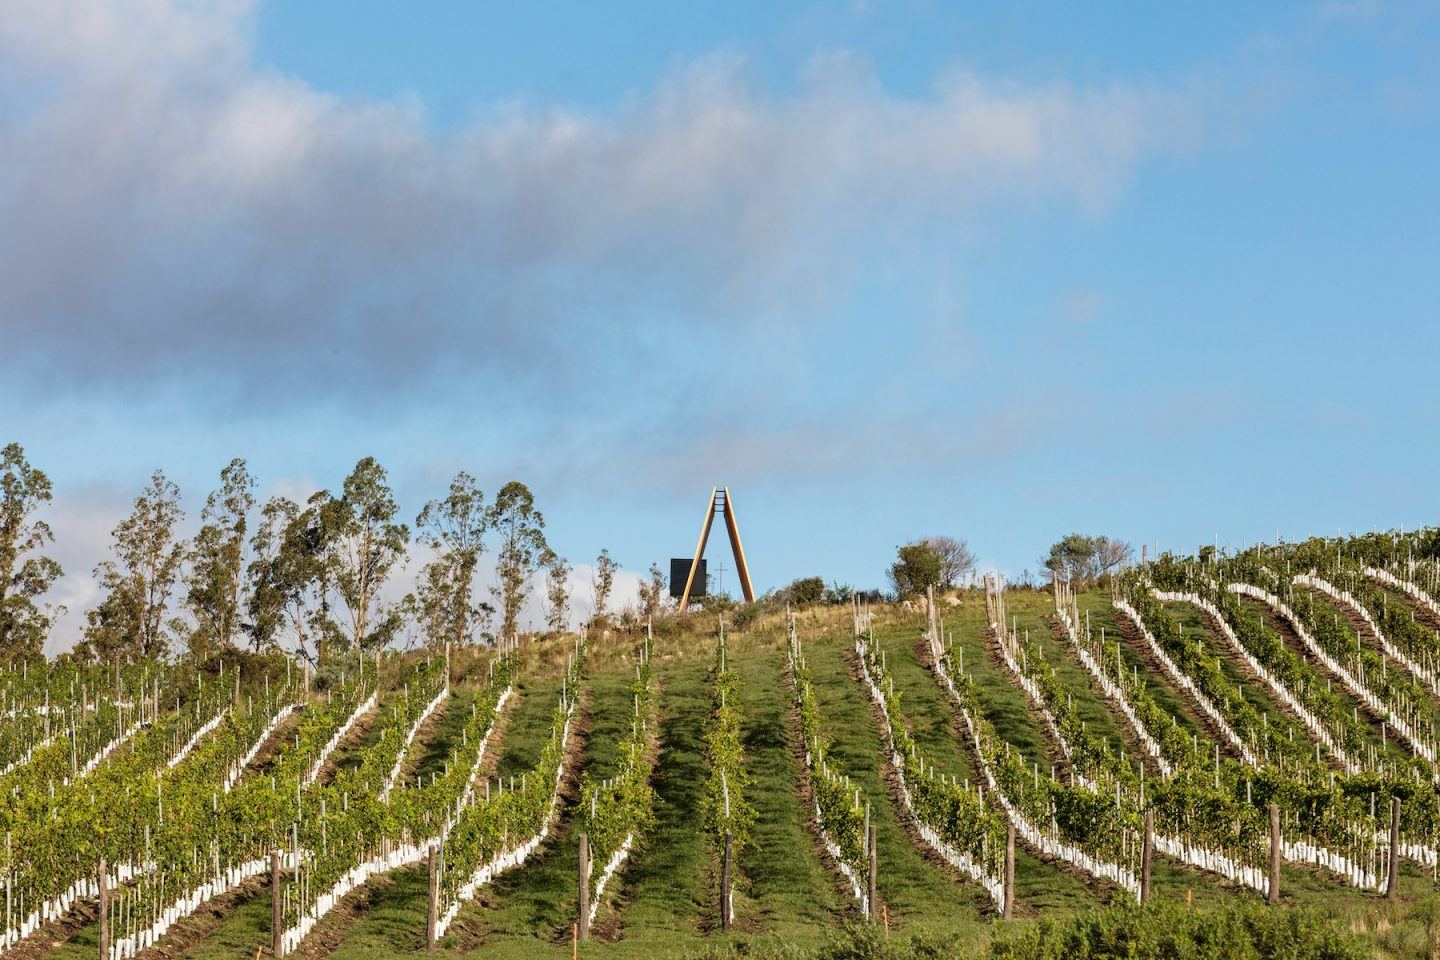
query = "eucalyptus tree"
{"x": 521, "y": 530}
{"x": 429, "y": 605}
{"x": 366, "y": 546}
{"x": 313, "y": 549}
{"x": 557, "y": 591}
{"x": 454, "y": 529}
{"x": 217, "y": 561}
{"x": 1079, "y": 558}
{"x": 292, "y": 575}
{"x": 265, "y": 595}
{"x": 605, "y": 568}
{"x": 25, "y": 573}
{"x": 278, "y": 576}
{"x": 956, "y": 559}
{"x": 652, "y": 592}
{"x": 129, "y": 623}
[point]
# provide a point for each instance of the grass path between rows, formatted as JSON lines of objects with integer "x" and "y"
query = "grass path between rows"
{"x": 1038, "y": 889}
{"x": 1004, "y": 704}
{"x": 390, "y": 911}
{"x": 529, "y": 911}
{"x": 791, "y": 893}
{"x": 936, "y": 728}
{"x": 1096, "y": 606}
{"x": 918, "y": 893}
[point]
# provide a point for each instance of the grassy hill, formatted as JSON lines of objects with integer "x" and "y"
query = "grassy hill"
{"x": 788, "y": 899}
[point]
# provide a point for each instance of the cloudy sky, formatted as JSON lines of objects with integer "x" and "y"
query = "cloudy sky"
{"x": 886, "y": 269}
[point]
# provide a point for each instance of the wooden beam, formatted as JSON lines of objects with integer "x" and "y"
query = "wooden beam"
{"x": 738, "y": 550}
{"x": 699, "y": 549}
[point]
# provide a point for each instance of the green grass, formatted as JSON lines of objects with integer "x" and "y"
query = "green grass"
{"x": 1039, "y": 887}
{"x": 1315, "y": 674}
{"x": 1034, "y": 616}
{"x": 663, "y": 886}
{"x": 917, "y": 892}
{"x": 790, "y": 893}
{"x": 528, "y": 910}
{"x": 1096, "y": 606}
{"x": 1005, "y": 704}
{"x": 393, "y": 908}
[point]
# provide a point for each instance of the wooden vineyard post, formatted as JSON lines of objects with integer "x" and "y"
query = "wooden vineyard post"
{"x": 584, "y": 919}
{"x": 874, "y": 871}
{"x": 725, "y": 867}
{"x": 1145, "y": 853}
{"x": 104, "y": 910}
{"x": 432, "y": 917}
{"x": 1274, "y": 896}
{"x": 1392, "y": 883}
{"x": 276, "y": 924}
{"x": 1009, "y": 871}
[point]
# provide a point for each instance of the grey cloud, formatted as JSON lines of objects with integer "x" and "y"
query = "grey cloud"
{"x": 172, "y": 210}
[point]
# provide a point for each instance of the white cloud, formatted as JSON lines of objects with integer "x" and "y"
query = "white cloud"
{"x": 174, "y": 215}
{"x": 81, "y": 522}
{"x": 173, "y": 210}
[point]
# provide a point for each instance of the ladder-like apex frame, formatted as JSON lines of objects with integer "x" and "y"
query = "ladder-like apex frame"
{"x": 716, "y": 493}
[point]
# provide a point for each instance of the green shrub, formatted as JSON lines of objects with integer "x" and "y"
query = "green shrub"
{"x": 804, "y": 591}
{"x": 1242, "y": 931}
{"x": 1237, "y": 932}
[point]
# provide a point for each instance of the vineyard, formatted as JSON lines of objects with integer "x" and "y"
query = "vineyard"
{"x": 1249, "y": 737}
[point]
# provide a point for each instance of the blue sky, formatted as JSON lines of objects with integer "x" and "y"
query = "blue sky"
{"x": 1001, "y": 271}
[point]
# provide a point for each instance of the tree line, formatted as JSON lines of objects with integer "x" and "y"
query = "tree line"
{"x": 310, "y": 575}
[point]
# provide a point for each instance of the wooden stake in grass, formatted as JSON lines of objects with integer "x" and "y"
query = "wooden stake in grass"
{"x": 1392, "y": 883}
{"x": 432, "y": 916}
{"x": 276, "y": 924}
{"x": 104, "y": 911}
{"x": 885, "y": 915}
{"x": 874, "y": 871}
{"x": 1009, "y": 871}
{"x": 725, "y": 884}
{"x": 1145, "y": 853}
{"x": 1274, "y": 895}
{"x": 584, "y": 919}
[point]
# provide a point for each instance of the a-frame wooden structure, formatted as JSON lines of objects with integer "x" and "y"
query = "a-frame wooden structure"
{"x": 720, "y": 503}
